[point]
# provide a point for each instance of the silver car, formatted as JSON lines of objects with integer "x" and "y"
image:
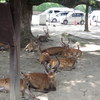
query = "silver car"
{"x": 59, "y": 16}
{"x": 77, "y": 16}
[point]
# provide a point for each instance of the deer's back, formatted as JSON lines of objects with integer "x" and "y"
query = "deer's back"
{"x": 53, "y": 50}
{"x": 64, "y": 62}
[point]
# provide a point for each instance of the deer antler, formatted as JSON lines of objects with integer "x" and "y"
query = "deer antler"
{"x": 63, "y": 43}
{"x": 46, "y": 31}
{"x": 68, "y": 41}
{"x": 45, "y": 65}
{"x": 56, "y": 66}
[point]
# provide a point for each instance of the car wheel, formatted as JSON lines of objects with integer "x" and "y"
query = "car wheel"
{"x": 81, "y": 22}
{"x": 65, "y": 22}
{"x": 54, "y": 20}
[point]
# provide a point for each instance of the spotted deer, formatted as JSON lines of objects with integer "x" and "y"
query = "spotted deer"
{"x": 43, "y": 82}
{"x": 44, "y": 38}
{"x": 32, "y": 46}
{"x": 67, "y": 52}
{"x": 66, "y": 64}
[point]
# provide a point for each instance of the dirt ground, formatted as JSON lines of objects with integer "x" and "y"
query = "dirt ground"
{"x": 83, "y": 82}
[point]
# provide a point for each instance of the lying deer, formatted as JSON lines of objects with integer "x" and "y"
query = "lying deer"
{"x": 43, "y": 82}
{"x": 4, "y": 47}
{"x": 5, "y": 86}
{"x": 44, "y": 38}
{"x": 32, "y": 46}
{"x": 71, "y": 51}
{"x": 66, "y": 64}
{"x": 44, "y": 57}
{"x": 53, "y": 50}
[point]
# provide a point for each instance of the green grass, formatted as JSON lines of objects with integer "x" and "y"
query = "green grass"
{"x": 73, "y": 38}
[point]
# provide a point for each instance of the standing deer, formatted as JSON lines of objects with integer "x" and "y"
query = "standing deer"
{"x": 43, "y": 82}
{"x": 44, "y": 38}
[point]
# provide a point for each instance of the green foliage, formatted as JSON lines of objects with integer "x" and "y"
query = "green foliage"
{"x": 2, "y": 1}
{"x": 80, "y": 7}
{"x": 44, "y": 6}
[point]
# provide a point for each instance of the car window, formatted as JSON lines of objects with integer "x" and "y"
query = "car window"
{"x": 74, "y": 15}
{"x": 80, "y": 14}
{"x": 63, "y": 14}
{"x": 50, "y": 11}
{"x": 77, "y": 15}
{"x": 56, "y": 11}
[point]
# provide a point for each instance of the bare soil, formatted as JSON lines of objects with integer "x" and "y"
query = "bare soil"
{"x": 82, "y": 83}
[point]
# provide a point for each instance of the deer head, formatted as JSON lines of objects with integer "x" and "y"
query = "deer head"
{"x": 46, "y": 31}
{"x": 51, "y": 74}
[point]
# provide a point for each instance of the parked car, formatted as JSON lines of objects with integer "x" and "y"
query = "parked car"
{"x": 71, "y": 17}
{"x": 52, "y": 11}
{"x": 59, "y": 16}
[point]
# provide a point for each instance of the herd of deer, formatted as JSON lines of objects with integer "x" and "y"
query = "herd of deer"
{"x": 45, "y": 82}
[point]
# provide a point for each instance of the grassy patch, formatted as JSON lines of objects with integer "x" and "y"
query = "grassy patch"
{"x": 74, "y": 39}
{"x": 97, "y": 50}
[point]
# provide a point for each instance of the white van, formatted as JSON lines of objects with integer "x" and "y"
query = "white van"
{"x": 52, "y": 11}
{"x": 95, "y": 16}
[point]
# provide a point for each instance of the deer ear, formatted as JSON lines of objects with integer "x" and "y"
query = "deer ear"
{"x": 21, "y": 73}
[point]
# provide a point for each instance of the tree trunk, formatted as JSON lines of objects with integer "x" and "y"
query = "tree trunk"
{"x": 86, "y": 19}
{"x": 26, "y": 15}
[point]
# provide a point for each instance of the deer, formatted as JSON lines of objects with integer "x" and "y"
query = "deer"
{"x": 24, "y": 87}
{"x": 71, "y": 51}
{"x": 5, "y": 86}
{"x": 53, "y": 50}
{"x": 4, "y": 47}
{"x": 31, "y": 46}
{"x": 44, "y": 38}
{"x": 66, "y": 64}
{"x": 43, "y": 82}
{"x": 44, "y": 57}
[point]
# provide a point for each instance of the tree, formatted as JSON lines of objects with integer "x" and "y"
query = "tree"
{"x": 86, "y": 17}
{"x": 26, "y": 14}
